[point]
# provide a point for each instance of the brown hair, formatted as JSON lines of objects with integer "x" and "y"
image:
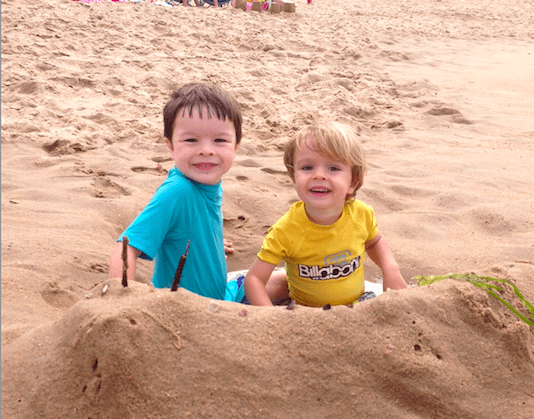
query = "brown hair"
{"x": 218, "y": 102}
{"x": 336, "y": 141}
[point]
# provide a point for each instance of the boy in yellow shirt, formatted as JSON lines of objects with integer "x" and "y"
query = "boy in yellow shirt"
{"x": 324, "y": 237}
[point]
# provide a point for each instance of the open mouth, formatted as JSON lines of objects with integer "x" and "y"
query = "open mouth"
{"x": 319, "y": 191}
{"x": 204, "y": 166}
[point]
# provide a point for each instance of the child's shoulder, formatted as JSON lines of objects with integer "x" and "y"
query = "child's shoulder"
{"x": 179, "y": 186}
{"x": 296, "y": 210}
{"x": 295, "y": 214}
{"x": 176, "y": 183}
{"x": 175, "y": 177}
{"x": 360, "y": 206}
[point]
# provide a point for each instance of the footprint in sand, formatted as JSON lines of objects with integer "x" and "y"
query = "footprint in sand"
{"x": 64, "y": 147}
{"x": 57, "y": 297}
{"x": 273, "y": 171}
{"x": 157, "y": 170}
{"x": 454, "y": 114}
{"x": 282, "y": 176}
{"x": 103, "y": 187}
{"x": 248, "y": 163}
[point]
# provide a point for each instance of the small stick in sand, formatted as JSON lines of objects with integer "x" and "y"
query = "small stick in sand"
{"x": 125, "y": 242}
{"x": 178, "y": 273}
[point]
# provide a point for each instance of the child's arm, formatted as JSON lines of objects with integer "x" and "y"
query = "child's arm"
{"x": 257, "y": 276}
{"x": 228, "y": 247}
{"x": 380, "y": 253}
{"x": 115, "y": 265}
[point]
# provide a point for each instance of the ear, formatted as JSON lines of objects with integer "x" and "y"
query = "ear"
{"x": 356, "y": 181}
{"x": 354, "y": 187}
{"x": 169, "y": 144}
{"x": 237, "y": 146}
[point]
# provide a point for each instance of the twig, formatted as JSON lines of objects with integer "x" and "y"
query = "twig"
{"x": 178, "y": 273}
{"x": 125, "y": 242}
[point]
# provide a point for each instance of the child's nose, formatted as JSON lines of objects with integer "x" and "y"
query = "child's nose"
{"x": 319, "y": 173}
{"x": 205, "y": 149}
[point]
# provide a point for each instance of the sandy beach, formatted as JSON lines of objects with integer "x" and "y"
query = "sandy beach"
{"x": 442, "y": 95}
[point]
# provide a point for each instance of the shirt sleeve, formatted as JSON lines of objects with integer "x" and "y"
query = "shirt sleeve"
{"x": 148, "y": 230}
{"x": 271, "y": 251}
{"x": 368, "y": 215}
{"x": 276, "y": 244}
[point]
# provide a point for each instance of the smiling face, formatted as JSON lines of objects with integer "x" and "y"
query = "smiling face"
{"x": 322, "y": 183}
{"x": 203, "y": 148}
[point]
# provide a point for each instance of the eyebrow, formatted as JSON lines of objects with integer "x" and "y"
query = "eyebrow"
{"x": 304, "y": 160}
{"x": 328, "y": 160}
{"x": 218, "y": 133}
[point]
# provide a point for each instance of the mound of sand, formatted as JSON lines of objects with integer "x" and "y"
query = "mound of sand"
{"x": 445, "y": 350}
{"x": 441, "y": 94}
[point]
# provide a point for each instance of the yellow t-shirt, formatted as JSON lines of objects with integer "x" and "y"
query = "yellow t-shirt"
{"x": 324, "y": 264}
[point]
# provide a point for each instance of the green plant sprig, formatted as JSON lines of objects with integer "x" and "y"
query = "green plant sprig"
{"x": 483, "y": 282}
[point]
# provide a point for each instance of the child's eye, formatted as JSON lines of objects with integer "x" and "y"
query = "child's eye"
{"x": 334, "y": 168}
{"x": 190, "y": 140}
{"x": 306, "y": 168}
{"x": 220, "y": 140}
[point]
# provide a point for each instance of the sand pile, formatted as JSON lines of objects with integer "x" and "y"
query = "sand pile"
{"x": 446, "y": 350}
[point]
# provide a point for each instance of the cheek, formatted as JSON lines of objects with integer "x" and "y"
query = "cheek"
{"x": 300, "y": 183}
{"x": 228, "y": 155}
{"x": 299, "y": 176}
{"x": 175, "y": 153}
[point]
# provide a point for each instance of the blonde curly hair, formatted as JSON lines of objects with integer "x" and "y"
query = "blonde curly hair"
{"x": 333, "y": 140}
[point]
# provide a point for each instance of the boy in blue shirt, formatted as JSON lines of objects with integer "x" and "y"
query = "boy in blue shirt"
{"x": 202, "y": 129}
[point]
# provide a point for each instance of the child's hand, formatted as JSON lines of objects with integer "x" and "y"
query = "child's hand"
{"x": 380, "y": 253}
{"x": 393, "y": 280}
{"x": 228, "y": 247}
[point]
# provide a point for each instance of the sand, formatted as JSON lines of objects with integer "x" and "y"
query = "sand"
{"x": 441, "y": 93}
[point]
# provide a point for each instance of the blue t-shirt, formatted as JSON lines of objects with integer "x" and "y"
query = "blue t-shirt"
{"x": 183, "y": 210}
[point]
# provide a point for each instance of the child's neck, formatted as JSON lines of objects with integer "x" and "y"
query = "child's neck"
{"x": 323, "y": 217}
